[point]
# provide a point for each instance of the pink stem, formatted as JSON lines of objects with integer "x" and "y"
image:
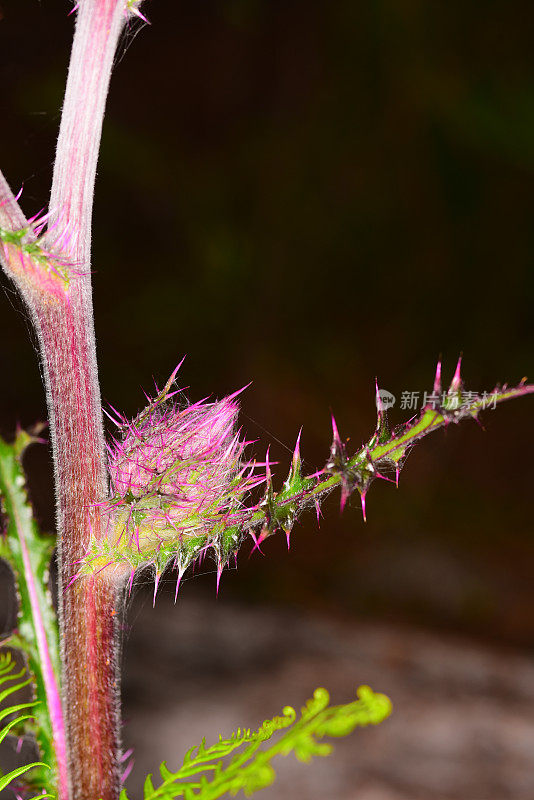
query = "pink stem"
{"x": 88, "y": 625}
{"x": 98, "y": 26}
{"x": 88, "y": 620}
{"x": 63, "y": 319}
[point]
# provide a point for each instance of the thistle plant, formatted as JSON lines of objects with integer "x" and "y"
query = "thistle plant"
{"x": 177, "y": 484}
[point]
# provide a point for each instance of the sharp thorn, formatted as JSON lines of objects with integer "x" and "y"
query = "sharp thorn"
{"x": 156, "y": 585}
{"x": 456, "y": 382}
{"x": 219, "y": 573}
{"x": 437, "y": 379}
{"x": 178, "y": 580}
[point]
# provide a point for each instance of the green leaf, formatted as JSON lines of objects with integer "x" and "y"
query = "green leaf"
{"x": 28, "y": 554}
{"x": 251, "y": 769}
{"x": 15, "y": 773}
{"x": 7, "y": 667}
{"x": 14, "y": 722}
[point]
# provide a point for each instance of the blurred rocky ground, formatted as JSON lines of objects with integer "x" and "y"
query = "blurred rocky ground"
{"x": 462, "y": 726}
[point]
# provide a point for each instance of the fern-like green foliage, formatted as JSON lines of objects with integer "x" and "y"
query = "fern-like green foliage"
{"x": 204, "y": 775}
{"x": 17, "y": 723}
{"x": 28, "y": 555}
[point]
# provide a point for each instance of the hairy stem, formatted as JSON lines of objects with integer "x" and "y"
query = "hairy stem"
{"x": 98, "y": 26}
{"x": 88, "y": 621}
{"x": 87, "y": 612}
{"x": 63, "y": 318}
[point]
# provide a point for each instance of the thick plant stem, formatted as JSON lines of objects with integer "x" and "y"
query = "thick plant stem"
{"x": 63, "y": 318}
{"x": 98, "y": 27}
{"x": 88, "y": 623}
{"x": 93, "y": 721}
{"x": 88, "y": 620}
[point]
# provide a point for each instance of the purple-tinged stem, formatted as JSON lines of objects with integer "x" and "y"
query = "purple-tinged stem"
{"x": 88, "y": 620}
{"x": 11, "y": 217}
{"x": 88, "y": 624}
{"x": 98, "y": 27}
{"x": 87, "y": 609}
{"x": 63, "y": 317}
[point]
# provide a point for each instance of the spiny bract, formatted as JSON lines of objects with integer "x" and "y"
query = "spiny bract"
{"x": 178, "y": 477}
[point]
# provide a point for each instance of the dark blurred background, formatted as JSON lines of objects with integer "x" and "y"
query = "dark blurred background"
{"x": 306, "y": 196}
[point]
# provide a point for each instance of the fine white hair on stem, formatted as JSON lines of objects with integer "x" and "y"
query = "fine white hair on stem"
{"x": 98, "y": 27}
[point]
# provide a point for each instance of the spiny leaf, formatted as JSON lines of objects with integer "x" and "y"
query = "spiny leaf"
{"x": 385, "y": 452}
{"x": 28, "y": 555}
{"x": 177, "y": 500}
{"x": 251, "y": 769}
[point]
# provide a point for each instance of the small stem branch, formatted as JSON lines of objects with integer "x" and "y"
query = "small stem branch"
{"x": 11, "y": 216}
